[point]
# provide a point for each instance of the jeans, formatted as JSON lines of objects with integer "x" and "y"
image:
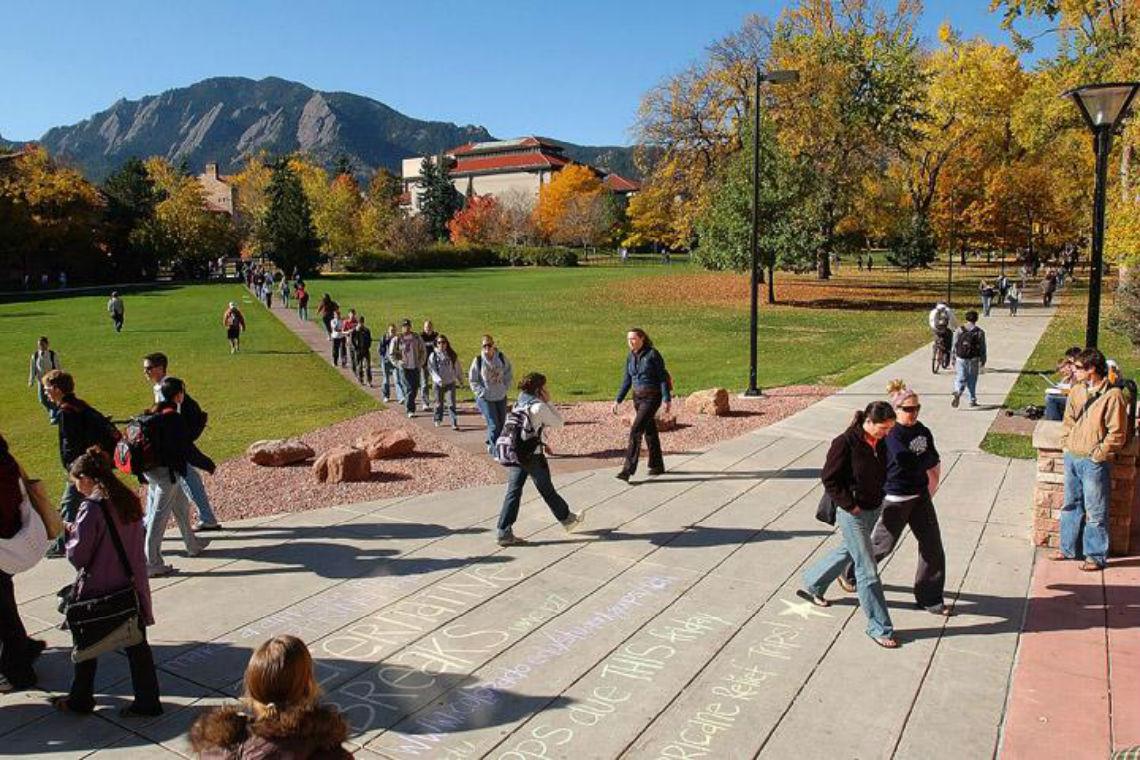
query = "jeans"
{"x": 68, "y": 509}
{"x": 1055, "y": 406}
{"x": 919, "y": 514}
{"x": 1084, "y": 518}
{"x": 303, "y": 313}
{"x": 285, "y": 300}
{"x": 196, "y": 493}
{"x": 536, "y": 468}
{"x": 856, "y": 548}
{"x": 15, "y": 659}
{"x": 362, "y": 366}
{"x": 339, "y": 352}
{"x": 448, "y": 391}
{"x": 987, "y": 303}
{"x": 966, "y": 376}
{"x": 144, "y": 681}
{"x": 46, "y": 403}
{"x": 645, "y": 406}
{"x": 411, "y": 378}
{"x": 1013, "y": 303}
{"x": 426, "y": 386}
{"x": 495, "y": 413}
{"x": 390, "y": 370}
{"x": 117, "y": 320}
{"x": 163, "y": 496}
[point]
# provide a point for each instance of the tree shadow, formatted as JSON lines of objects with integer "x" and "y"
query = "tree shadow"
{"x": 700, "y": 476}
{"x": 702, "y": 536}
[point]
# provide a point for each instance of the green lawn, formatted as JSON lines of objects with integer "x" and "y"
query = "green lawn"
{"x": 274, "y": 388}
{"x": 1066, "y": 329}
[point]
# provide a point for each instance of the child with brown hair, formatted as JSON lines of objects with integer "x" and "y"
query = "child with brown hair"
{"x": 280, "y": 715}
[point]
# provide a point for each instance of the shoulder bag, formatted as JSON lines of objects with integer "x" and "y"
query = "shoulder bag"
{"x": 47, "y": 511}
{"x": 105, "y": 623}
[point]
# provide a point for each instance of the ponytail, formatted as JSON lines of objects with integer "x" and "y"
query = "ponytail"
{"x": 95, "y": 464}
{"x": 876, "y": 412}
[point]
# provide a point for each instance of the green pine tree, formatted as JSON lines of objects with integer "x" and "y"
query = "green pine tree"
{"x": 290, "y": 240}
{"x": 439, "y": 200}
{"x": 130, "y": 200}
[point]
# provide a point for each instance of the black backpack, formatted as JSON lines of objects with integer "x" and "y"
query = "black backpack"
{"x": 518, "y": 439}
{"x": 138, "y": 451}
{"x": 969, "y": 345}
{"x": 98, "y": 430}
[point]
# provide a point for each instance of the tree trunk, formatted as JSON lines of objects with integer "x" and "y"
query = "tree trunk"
{"x": 823, "y": 264}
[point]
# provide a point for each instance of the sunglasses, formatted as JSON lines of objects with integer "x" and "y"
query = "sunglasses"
{"x": 911, "y": 409}
{"x": 488, "y": 345}
{"x": 149, "y": 367}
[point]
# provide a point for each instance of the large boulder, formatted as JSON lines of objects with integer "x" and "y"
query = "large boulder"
{"x": 344, "y": 464}
{"x": 665, "y": 422}
{"x": 385, "y": 444}
{"x": 279, "y": 453}
{"x": 713, "y": 401}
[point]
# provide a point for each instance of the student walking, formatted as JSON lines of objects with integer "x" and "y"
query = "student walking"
{"x": 284, "y": 292}
{"x": 339, "y": 344}
{"x": 645, "y": 373}
{"x": 969, "y": 358}
{"x": 388, "y": 365}
{"x": 1094, "y": 428}
{"x": 44, "y": 360}
{"x": 117, "y": 311}
{"x": 154, "y": 369}
{"x": 853, "y": 478}
{"x": 361, "y": 341}
{"x": 428, "y": 336}
{"x": 175, "y": 452}
{"x": 105, "y": 544}
{"x": 530, "y": 451}
{"x": 489, "y": 376}
{"x": 913, "y": 471}
{"x": 234, "y": 322}
{"x": 80, "y": 427}
{"x": 326, "y": 310}
{"x": 410, "y": 355}
{"x": 443, "y": 366}
{"x": 987, "y": 292}
{"x": 18, "y": 652}
{"x": 302, "y": 303}
{"x": 280, "y": 715}
{"x": 1014, "y": 299}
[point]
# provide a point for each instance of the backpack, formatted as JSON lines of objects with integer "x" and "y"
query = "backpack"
{"x": 98, "y": 430}
{"x": 518, "y": 440}
{"x": 969, "y": 345}
{"x": 137, "y": 452}
{"x": 942, "y": 319}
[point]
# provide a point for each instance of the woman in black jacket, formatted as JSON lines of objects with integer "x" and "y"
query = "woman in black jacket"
{"x": 853, "y": 477}
{"x": 645, "y": 374}
{"x": 174, "y": 452}
{"x": 17, "y": 651}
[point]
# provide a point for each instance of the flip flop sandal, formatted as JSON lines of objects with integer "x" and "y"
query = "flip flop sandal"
{"x": 886, "y": 642}
{"x": 845, "y": 584}
{"x": 818, "y": 601}
{"x": 1059, "y": 557}
{"x": 1091, "y": 567}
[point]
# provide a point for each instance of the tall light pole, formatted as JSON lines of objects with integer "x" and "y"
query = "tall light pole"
{"x": 775, "y": 77}
{"x": 1103, "y": 107}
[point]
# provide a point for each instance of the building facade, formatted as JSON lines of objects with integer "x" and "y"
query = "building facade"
{"x": 220, "y": 194}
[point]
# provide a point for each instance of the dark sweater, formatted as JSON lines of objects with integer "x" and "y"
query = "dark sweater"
{"x": 854, "y": 473}
{"x": 644, "y": 371}
{"x": 910, "y": 453}
{"x": 176, "y": 448}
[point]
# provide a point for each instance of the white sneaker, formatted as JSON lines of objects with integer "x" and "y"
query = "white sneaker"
{"x": 574, "y": 522}
{"x": 411, "y": 414}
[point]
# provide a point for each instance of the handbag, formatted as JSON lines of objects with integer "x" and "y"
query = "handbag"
{"x": 22, "y": 551}
{"x": 104, "y": 623}
{"x": 53, "y": 523}
{"x": 825, "y": 511}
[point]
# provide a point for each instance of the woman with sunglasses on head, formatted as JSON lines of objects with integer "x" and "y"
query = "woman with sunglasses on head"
{"x": 913, "y": 469}
{"x": 443, "y": 365}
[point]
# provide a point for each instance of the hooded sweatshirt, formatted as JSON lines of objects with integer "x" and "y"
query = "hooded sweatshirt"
{"x": 490, "y": 378}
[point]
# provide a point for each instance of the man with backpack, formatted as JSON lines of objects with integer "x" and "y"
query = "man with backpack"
{"x": 80, "y": 427}
{"x": 155, "y": 367}
{"x": 361, "y": 342}
{"x": 943, "y": 323}
{"x": 44, "y": 360}
{"x": 969, "y": 358}
{"x": 409, "y": 347}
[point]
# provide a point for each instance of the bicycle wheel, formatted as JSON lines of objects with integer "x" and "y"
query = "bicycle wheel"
{"x": 935, "y": 358}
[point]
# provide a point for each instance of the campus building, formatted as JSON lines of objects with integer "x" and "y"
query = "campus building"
{"x": 218, "y": 189}
{"x": 504, "y": 167}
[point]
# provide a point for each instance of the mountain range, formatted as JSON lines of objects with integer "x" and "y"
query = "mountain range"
{"x": 224, "y": 120}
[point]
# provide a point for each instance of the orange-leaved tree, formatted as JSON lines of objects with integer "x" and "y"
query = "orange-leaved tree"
{"x": 480, "y": 222}
{"x": 572, "y": 207}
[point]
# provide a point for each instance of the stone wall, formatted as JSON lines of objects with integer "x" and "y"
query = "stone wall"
{"x": 1049, "y": 493}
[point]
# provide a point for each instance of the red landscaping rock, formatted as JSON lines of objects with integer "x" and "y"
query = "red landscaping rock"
{"x": 279, "y": 453}
{"x": 713, "y": 401}
{"x": 343, "y": 464}
{"x": 665, "y": 422}
{"x": 385, "y": 444}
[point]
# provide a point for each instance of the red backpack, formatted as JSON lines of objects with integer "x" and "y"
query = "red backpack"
{"x": 137, "y": 451}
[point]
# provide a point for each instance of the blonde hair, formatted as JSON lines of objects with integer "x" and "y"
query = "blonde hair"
{"x": 898, "y": 393}
{"x": 280, "y": 677}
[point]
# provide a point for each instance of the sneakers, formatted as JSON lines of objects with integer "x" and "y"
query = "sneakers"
{"x": 159, "y": 571}
{"x": 623, "y": 475}
{"x": 510, "y": 539}
{"x": 955, "y": 398}
{"x": 201, "y": 547}
{"x": 455, "y": 426}
{"x": 411, "y": 414}
{"x": 207, "y": 527}
{"x": 973, "y": 402}
{"x": 437, "y": 423}
{"x": 574, "y": 522}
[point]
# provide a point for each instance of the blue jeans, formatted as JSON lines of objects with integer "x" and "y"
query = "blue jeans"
{"x": 196, "y": 493}
{"x": 1055, "y": 406}
{"x": 303, "y": 313}
{"x": 495, "y": 413}
{"x": 1084, "y": 518}
{"x": 537, "y": 469}
{"x": 386, "y": 388}
{"x": 68, "y": 509}
{"x": 448, "y": 391}
{"x": 856, "y": 548}
{"x": 411, "y": 386}
{"x": 966, "y": 376}
{"x": 163, "y": 497}
{"x": 987, "y": 303}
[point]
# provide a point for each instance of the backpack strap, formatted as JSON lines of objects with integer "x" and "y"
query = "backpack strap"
{"x": 118, "y": 542}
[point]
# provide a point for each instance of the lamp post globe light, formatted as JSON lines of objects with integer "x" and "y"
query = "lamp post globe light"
{"x": 1103, "y": 107}
{"x": 784, "y": 76}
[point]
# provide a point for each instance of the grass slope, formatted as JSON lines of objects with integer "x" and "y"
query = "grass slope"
{"x": 275, "y": 388}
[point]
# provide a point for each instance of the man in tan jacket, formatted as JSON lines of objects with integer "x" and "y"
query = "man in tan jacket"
{"x": 1095, "y": 427}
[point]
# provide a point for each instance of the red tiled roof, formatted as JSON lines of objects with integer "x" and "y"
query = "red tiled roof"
{"x": 496, "y": 146}
{"x": 534, "y": 160}
{"x": 620, "y": 184}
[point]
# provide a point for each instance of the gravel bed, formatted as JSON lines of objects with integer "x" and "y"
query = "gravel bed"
{"x": 241, "y": 489}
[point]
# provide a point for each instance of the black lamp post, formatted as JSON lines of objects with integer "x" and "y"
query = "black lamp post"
{"x": 775, "y": 77}
{"x": 1103, "y": 107}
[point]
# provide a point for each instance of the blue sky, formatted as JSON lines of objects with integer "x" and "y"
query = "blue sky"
{"x": 573, "y": 71}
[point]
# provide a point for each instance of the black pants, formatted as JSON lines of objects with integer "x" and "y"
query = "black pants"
{"x": 15, "y": 655}
{"x": 919, "y": 514}
{"x": 645, "y": 406}
{"x": 536, "y": 468}
{"x": 117, "y": 319}
{"x": 144, "y": 680}
{"x": 362, "y": 365}
{"x": 340, "y": 352}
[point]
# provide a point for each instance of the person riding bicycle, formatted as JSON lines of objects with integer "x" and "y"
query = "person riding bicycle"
{"x": 943, "y": 323}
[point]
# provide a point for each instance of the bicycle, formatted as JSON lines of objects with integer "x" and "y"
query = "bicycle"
{"x": 940, "y": 355}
